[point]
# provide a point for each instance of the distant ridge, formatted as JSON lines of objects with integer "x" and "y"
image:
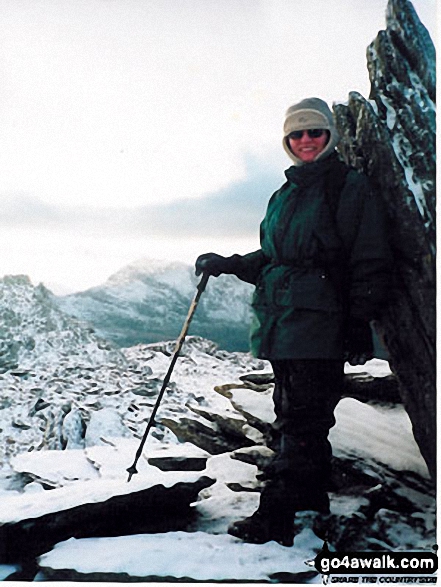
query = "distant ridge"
{"x": 148, "y": 300}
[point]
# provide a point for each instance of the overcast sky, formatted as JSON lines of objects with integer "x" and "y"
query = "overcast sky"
{"x": 152, "y": 128}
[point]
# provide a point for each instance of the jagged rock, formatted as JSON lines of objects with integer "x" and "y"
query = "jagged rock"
{"x": 362, "y": 386}
{"x": 191, "y": 342}
{"x": 258, "y": 378}
{"x": 350, "y": 477}
{"x": 181, "y": 463}
{"x": 205, "y": 434}
{"x": 8, "y": 354}
{"x": 33, "y": 328}
{"x": 407, "y": 532}
{"x": 381, "y": 436}
{"x": 40, "y": 404}
{"x": 393, "y": 142}
{"x": 55, "y": 468}
{"x": 375, "y": 454}
{"x": 231, "y": 425}
{"x": 256, "y": 408}
{"x": 383, "y": 497}
{"x": 260, "y": 456}
{"x": 73, "y": 430}
{"x": 104, "y": 423}
{"x": 386, "y": 530}
{"x": 226, "y": 388}
{"x": 363, "y": 523}
{"x": 366, "y": 388}
{"x": 151, "y": 387}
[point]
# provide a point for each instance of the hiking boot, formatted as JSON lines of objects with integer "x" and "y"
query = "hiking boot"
{"x": 316, "y": 501}
{"x": 260, "y": 528}
{"x": 322, "y": 526}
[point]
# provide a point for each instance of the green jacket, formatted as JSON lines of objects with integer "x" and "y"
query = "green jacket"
{"x": 323, "y": 258}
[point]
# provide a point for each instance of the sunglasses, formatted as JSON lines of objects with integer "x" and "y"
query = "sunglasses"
{"x": 313, "y": 133}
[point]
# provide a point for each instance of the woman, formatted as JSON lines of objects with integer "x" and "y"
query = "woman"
{"x": 321, "y": 276}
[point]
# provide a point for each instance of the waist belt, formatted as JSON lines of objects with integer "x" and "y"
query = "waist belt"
{"x": 299, "y": 264}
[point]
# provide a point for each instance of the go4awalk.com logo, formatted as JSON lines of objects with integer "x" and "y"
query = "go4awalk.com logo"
{"x": 379, "y": 563}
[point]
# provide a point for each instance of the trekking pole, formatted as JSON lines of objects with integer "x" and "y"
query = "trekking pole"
{"x": 200, "y": 288}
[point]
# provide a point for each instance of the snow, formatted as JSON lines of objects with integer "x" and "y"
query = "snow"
{"x": 375, "y": 367}
{"x": 414, "y": 101}
{"x": 403, "y": 150}
{"x": 206, "y": 386}
{"x": 7, "y": 570}
{"x": 111, "y": 394}
{"x": 28, "y": 505}
{"x": 390, "y": 441}
{"x": 176, "y": 275}
{"x": 200, "y": 554}
{"x": 197, "y": 556}
{"x": 417, "y": 190}
{"x": 54, "y": 467}
{"x": 391, "y": 115}
{"x": 102, "y": 424}
{"x": 401, "y": 144}
{"x": 258, "y": 405}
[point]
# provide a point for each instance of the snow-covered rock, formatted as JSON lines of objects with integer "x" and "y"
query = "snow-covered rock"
{"x": 88, "y": 504}
{"x": 392, "y": 138}
{"x": 34, "y": 331}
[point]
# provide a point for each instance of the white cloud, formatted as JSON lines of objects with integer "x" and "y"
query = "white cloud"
{"x": 127, "y": 103}
{"x": 131, "y": 101}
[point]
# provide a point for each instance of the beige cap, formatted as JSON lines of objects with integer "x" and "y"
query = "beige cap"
{"x": 310, "y": 113}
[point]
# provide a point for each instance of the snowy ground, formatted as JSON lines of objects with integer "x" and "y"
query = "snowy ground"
{"x": 93, "y": 467}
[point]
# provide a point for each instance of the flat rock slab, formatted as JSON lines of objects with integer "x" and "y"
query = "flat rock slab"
{"x": 179, "y": 463}
{"x": 116, "y": 510}
{"x": 59, "y": 468}
{"x": 177, "y": 556}
{"x": 153, "y": 501}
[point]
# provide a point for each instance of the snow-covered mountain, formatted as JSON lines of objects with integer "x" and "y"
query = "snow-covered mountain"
{"x": 34, "y": 330}
{"x": 147, "y": 301}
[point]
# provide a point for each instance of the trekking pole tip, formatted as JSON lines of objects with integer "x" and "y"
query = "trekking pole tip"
{"x": 131, "y": 471}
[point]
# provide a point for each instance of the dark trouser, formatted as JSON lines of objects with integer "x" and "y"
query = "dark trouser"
{"x": 305, "y": 396}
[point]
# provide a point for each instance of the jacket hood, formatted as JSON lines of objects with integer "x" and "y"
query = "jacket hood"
{"x": 310, "y": 113}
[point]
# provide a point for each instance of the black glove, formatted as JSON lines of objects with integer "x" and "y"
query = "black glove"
{"x": 359, "y": 345}
{"x": 215, "y": 264}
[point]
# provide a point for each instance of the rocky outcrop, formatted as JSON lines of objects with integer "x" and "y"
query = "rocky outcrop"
{"x": 380, "y": 494}
{"x": 34, "y": 331}
{"x": 392, "y": 139}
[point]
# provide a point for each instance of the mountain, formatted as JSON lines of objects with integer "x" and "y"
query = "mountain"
{"x": 148, "y": 301}
{"x": 34, "y": 331}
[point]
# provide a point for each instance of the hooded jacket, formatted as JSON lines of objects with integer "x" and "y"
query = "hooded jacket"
{"x": 317, "y": 266}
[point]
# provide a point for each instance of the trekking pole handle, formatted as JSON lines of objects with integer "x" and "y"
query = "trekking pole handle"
{"x": 203, "y": 282}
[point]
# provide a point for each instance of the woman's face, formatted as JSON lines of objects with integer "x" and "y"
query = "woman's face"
{"x": 307, "y": 147}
